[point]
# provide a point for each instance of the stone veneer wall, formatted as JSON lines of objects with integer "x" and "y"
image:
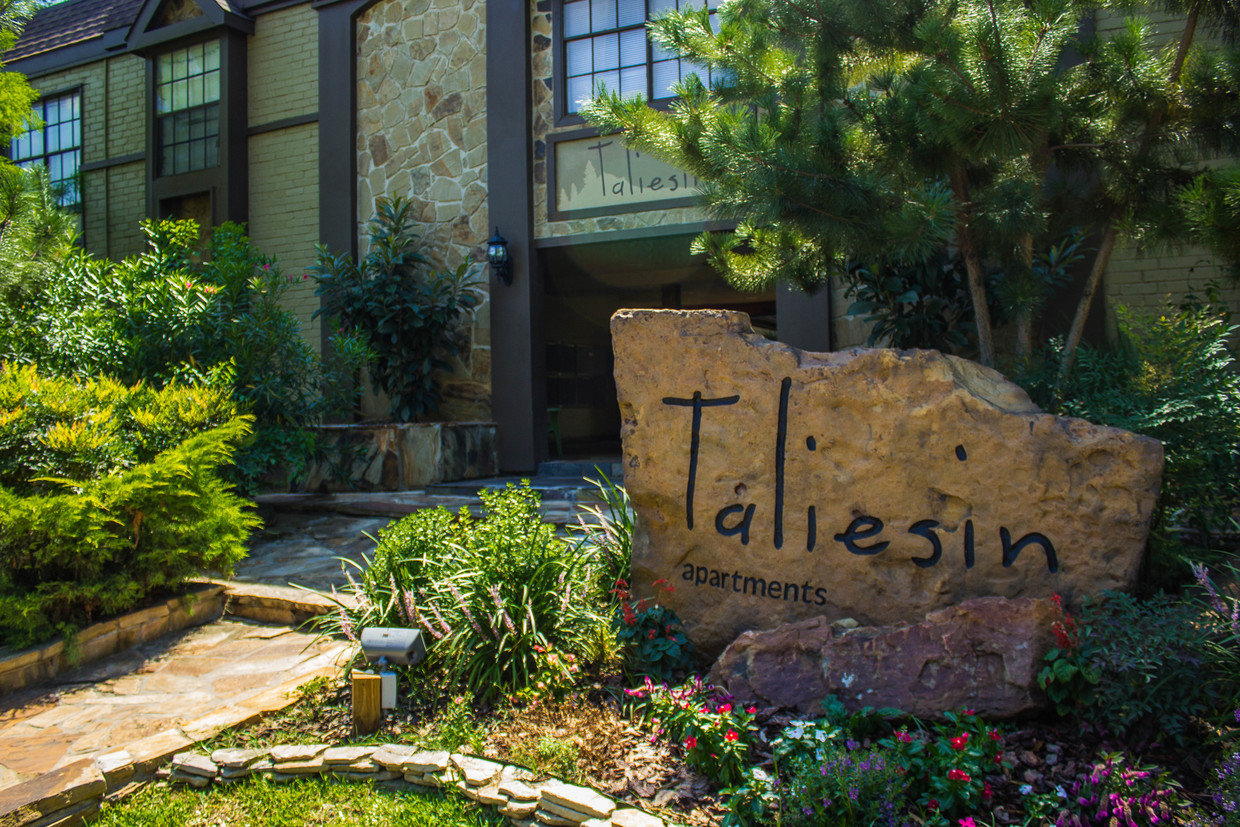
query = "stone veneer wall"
{"x": 541, "y": 55}
{"x": 421, "y": 125}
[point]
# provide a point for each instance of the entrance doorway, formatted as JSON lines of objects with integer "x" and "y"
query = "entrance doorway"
{"x": 584, "y": 285}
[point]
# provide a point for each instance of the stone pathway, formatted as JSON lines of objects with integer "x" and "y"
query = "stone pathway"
{"x": 139, "y": 707}
{"x": 160, "y": 697}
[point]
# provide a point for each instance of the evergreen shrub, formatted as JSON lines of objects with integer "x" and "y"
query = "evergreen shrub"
{"x": 108, "y": 494}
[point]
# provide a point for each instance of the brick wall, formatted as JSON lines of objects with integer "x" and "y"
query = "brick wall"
{"x": 284, "y": 174}
{"x": 284, "y": 65}
{"x": 284, "y": 211}
{"x": 113, "y": 121}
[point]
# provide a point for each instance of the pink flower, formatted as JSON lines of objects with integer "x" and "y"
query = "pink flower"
{"x": 731, "y": 735}
{"x": 958, "y": 775}
{"x": 995, "y": 736}
{"x": 690, "y": 742}
{"x": 967, "y": 822}
{"x": 903, "y": 737}
{"x": 960, "y": 741}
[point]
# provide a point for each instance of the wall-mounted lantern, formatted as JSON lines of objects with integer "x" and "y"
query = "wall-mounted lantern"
{"x": 497, "y": 255}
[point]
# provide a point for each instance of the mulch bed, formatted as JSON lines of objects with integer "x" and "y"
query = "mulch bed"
{"x": 619, "y": 757}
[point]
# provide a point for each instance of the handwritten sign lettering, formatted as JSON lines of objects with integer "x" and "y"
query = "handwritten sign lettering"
{"x": 602, "y": 173}
{"x": 773, "y": 485}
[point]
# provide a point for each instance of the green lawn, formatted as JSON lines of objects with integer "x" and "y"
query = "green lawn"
{"x": 314, "y": 801}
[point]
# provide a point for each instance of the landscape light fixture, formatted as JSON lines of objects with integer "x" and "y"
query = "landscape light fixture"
{"x": 497, "y": 255}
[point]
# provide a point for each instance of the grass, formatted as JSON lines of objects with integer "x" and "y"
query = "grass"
{"x": 313, "y": 802}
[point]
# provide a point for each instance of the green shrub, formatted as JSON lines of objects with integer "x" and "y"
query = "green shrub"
{"x": 111, "y": 516}
{"x": 55, "y": 427}
{"x": 488, "y": 595}
{"x": 1172, "y": 377}
{"x": 651, "y": 637}
{"x": 1134, "y": 668}
{"x": 165, "y": 314}
{"x": 406, "y": 313}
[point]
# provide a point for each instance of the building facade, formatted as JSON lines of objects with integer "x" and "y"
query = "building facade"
{"x": 295, "y": 116}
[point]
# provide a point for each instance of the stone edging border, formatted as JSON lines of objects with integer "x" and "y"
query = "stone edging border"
{"x": 517, "y": 793}
{"x": 76, "y": 792}
{"x": 38, "y": 664}
{"x": 203, "y": 603}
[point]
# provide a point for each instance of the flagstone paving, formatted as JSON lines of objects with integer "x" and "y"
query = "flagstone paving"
{"x": 165, "y": 695}
{"x": 172, "y": 691}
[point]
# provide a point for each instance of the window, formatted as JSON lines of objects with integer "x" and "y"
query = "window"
{"x": 187, "y": 106}
{"x": 605, "y": 43}
{"x": 57, "y": 145}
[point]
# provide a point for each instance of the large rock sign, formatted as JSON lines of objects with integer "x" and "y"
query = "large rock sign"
{"x": 774, "y": 485}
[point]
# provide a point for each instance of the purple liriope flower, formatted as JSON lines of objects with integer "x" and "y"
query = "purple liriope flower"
{"x": 346, "y": 625}
{"x": 396, "y": 593}
{"x": 460, "y": 601}
{"x": 1202, "y": 575}
{"x": 411, "y": 608}
{"x": 499, "y": 604}
{"x": 447, "y": 630}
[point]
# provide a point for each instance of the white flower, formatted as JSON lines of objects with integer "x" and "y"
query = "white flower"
{"x": 848, "y": 679}
{"x": 1060, "y": 792}
{"x": 1025, "y": 789}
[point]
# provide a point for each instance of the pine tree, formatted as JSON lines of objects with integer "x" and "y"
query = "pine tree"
{"x": 840, "y": 131}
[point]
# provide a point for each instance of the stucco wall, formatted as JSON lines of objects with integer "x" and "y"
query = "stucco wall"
{"x": 421, "y": 125}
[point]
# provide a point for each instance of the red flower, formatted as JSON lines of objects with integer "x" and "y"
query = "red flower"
{"x": 969, "y": 712}
{"x": 730, "y": 736}
{"x": 653, "y": 634}
{"x": 753, "y": 710}
{"x": 903, "y": 737}
{"x": 690, "y": 742}
{"x": 960, "y": 741}
{"x": 987, "y": 792}
{"x": 932, "y": 805}
{"x": 724, "y": 708}
{"x": 958, "y": 775}
{"x": 999, "y": 759}
{"x": 995, "y": 736}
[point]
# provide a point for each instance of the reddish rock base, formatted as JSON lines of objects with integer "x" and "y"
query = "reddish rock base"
{"x": 983, "y": 654}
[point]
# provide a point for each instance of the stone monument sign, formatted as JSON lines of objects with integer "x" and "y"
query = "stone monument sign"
{"x": 774, "y": 485}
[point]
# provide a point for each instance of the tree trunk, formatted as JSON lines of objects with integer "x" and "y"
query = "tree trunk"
{"x": 973, "y": 266}
{"x": 1101, "y": 260}
{"x": 1111, "y": 234}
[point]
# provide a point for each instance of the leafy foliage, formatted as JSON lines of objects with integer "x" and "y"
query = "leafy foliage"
{"x": 879, "y": 132}
{"x": 651, "y": 637}
{"x": 108, "y": 494}
{"x": 491, "y": 596}
{"x": 715, "y": 733}
{"x": 1137, "y": 668}
{"x": 919, "y": 305}
{"x": 406, "y": 315}
{"x": 164, "y": 315}
{"x": 1172, "y": 378}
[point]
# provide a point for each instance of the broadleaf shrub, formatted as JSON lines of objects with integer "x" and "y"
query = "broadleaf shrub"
{"x": 109, "y": 512}
{"x": 406, "y": 312}
{"x": 1137, "y": 667}
{"x": 168, "y": 313}
{"x": 1172, "y": 377}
